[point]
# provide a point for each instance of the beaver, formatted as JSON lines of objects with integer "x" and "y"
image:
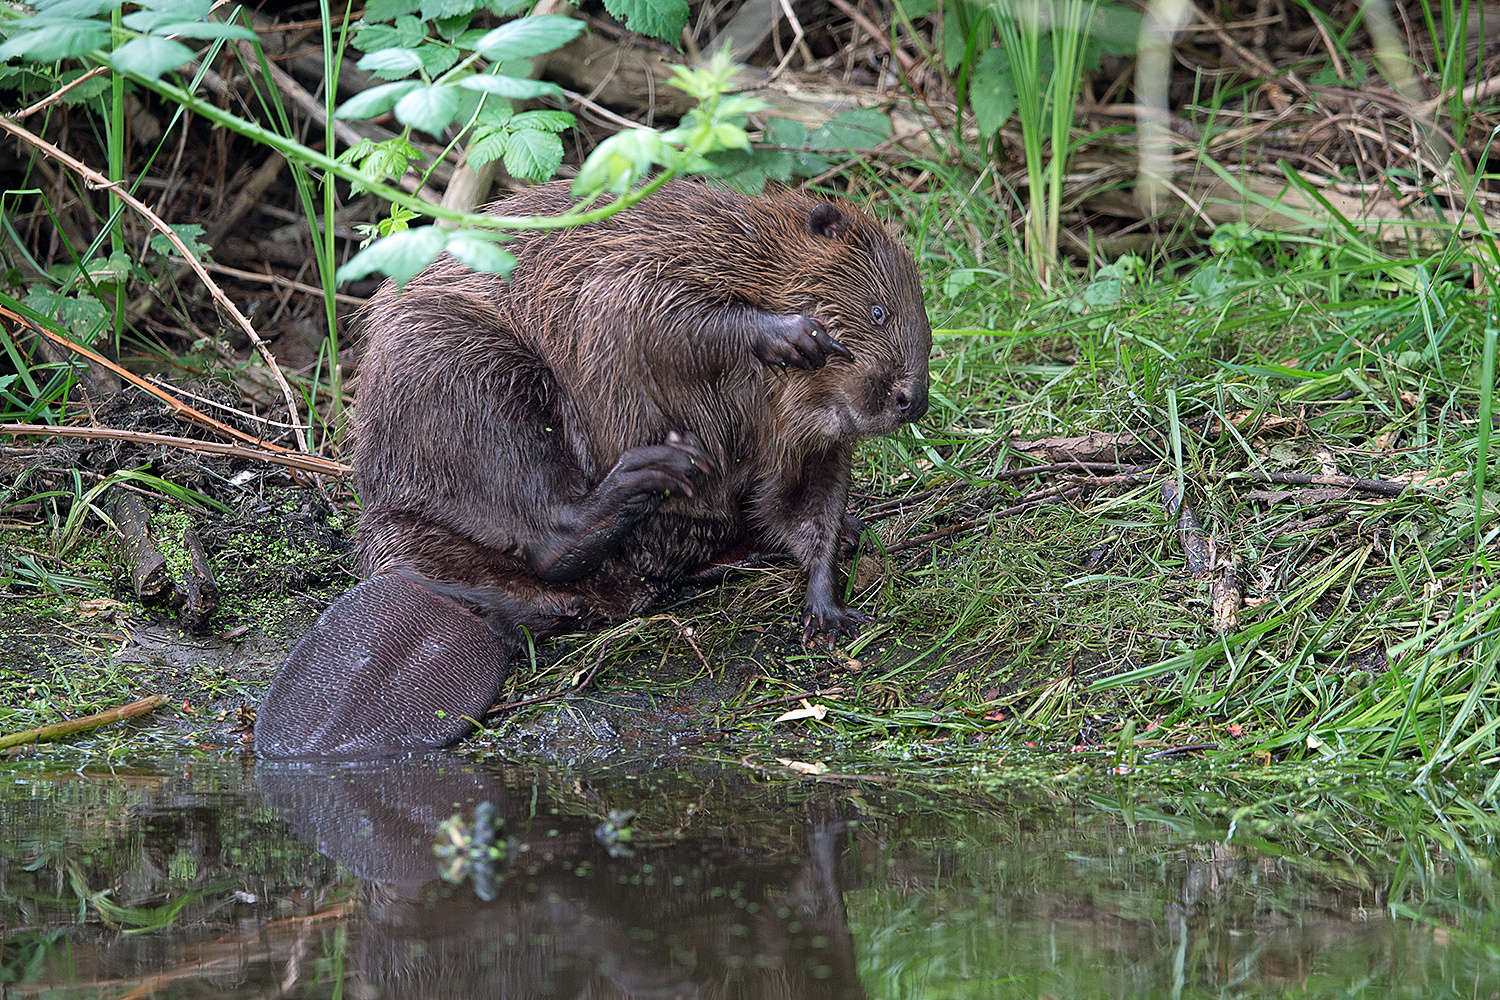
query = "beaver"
{"x": 644, "y": 401}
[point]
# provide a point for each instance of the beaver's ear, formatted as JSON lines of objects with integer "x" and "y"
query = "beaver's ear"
{"x": 828, "y": 222}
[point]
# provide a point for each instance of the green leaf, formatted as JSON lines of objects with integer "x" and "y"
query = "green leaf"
{"x": 115, "y": 268}
{"x": 914, "y": 9}
{"x": 145, "y": 20}
{"x": 705, "y": 82}
{"x": 663, "y": 18}
{"x": 480, "y": 252}
{"x": 63, "y": 9}
{"x": 188, "y": 233}
{"x": 380, "y": 160}
{"x": 785, "y": 133}
{"x": 992, "y": 91}
{"x": 85, "y": 91}
{"x": 1117, "y": 30}
{"x": 429, "y": 109}
{"x": 528, "y": 36}
{"x": 775, "y": 164}
{"x": 737, "y": 105}
{"x": 748, "y": 171}
{"x": 543, "y": 121}
{"x": 792, "y": 137}
{"x": 406, "y": 33}
{"x": 204, "y": 29}
{"x": 451, "y": 27}
{"x": 54, "y": 40}
{"x": 955, "y": 41}
{"x": 27, "y": 80}
{"x": 375, "y": 101}
{"x": 402, "y": 255}
{"x": 496, "y": 113}
{"x": 513, "y": 87}
{"x": 433, "y": 10}
{"x": 391, "y": 62}
{"x": 958, "y": 281}
{"x": 489, "y": 144}
{"x": 81, "y": 317}
{"x": 377, "y": 11}
{"x": 727, "y": 136}
{"x": 183, "y": 10}
{"x": 150, "y": 56}
{"x": 533, "y": 154}
{"x": 618, "y": 162}
{"x": 852, "y": 130}
{"x": 437, "y": 58}
{"x": 1103, "y": 291}
{"x": 1325, "y": 77}
{"x": 1329, "y": 77}
{"x": 811, "y": 164}
{"x": 1208, "y": 284}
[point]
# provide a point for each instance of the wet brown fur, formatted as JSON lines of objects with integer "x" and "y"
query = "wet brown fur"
{"x": 486, "y": 407}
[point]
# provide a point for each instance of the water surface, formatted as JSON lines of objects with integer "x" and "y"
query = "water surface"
{"x": 682, "y": 878}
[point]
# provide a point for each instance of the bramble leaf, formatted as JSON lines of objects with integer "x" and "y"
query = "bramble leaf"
{"x": 429, "y": 108}
{"x": 63, "y": 9}
{"x": 481, "y": 252}
{"x": 53, "y": 40}
{"x": 375, "y": 101}
{"x": 397, "y": 62}
{"x": 533, "y": 154}
{"x": 407, "y": 33}
{"x": 528, "y": 36}
{"x": 663, "y": 18}
{"x": 402, "y": 255}
{"x": 992, "y": 91}
{"x": 488, "y": 144}
{"x": 619, "y": 161}
{"x": 437, "y": 59}
{"x": 188, "y": 233}
{"x": 377, "y": 11}
{"x": 150, "y": 56}
{"x": 543, "y": 121}
{"x": 851, "y": 130}
{"x": 786, "y": 133}
{"x": 204, "y": 29}
{"x": 380, "y": 160}
{"x": 433, "y": 10}
{"x": 514, "y": 87}
{"x": 80, "y": 317}
{"x": 183, "y": 10}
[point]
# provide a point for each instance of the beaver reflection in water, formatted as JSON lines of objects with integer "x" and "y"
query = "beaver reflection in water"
{"x": 645, "y": 398}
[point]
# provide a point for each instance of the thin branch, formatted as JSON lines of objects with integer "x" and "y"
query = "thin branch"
{"x": 290, "y": 459}
{"x": 97, "y": 180}
{"x": 179, "y": 408}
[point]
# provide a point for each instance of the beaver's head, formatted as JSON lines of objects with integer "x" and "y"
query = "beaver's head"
{"x": 862, "y": 285}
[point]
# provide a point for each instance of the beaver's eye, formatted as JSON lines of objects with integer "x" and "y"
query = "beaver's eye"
{"x": 877, "y": 313}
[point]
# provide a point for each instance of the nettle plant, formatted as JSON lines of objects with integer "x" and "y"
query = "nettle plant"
{"x": 443, "y": 77}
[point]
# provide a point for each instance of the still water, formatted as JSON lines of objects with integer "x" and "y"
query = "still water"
{"x": 685, "y": 878}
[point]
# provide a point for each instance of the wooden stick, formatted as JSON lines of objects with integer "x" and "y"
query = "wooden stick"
{"x": 1379, "y": 487}
{"x": 60, "y": 729}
